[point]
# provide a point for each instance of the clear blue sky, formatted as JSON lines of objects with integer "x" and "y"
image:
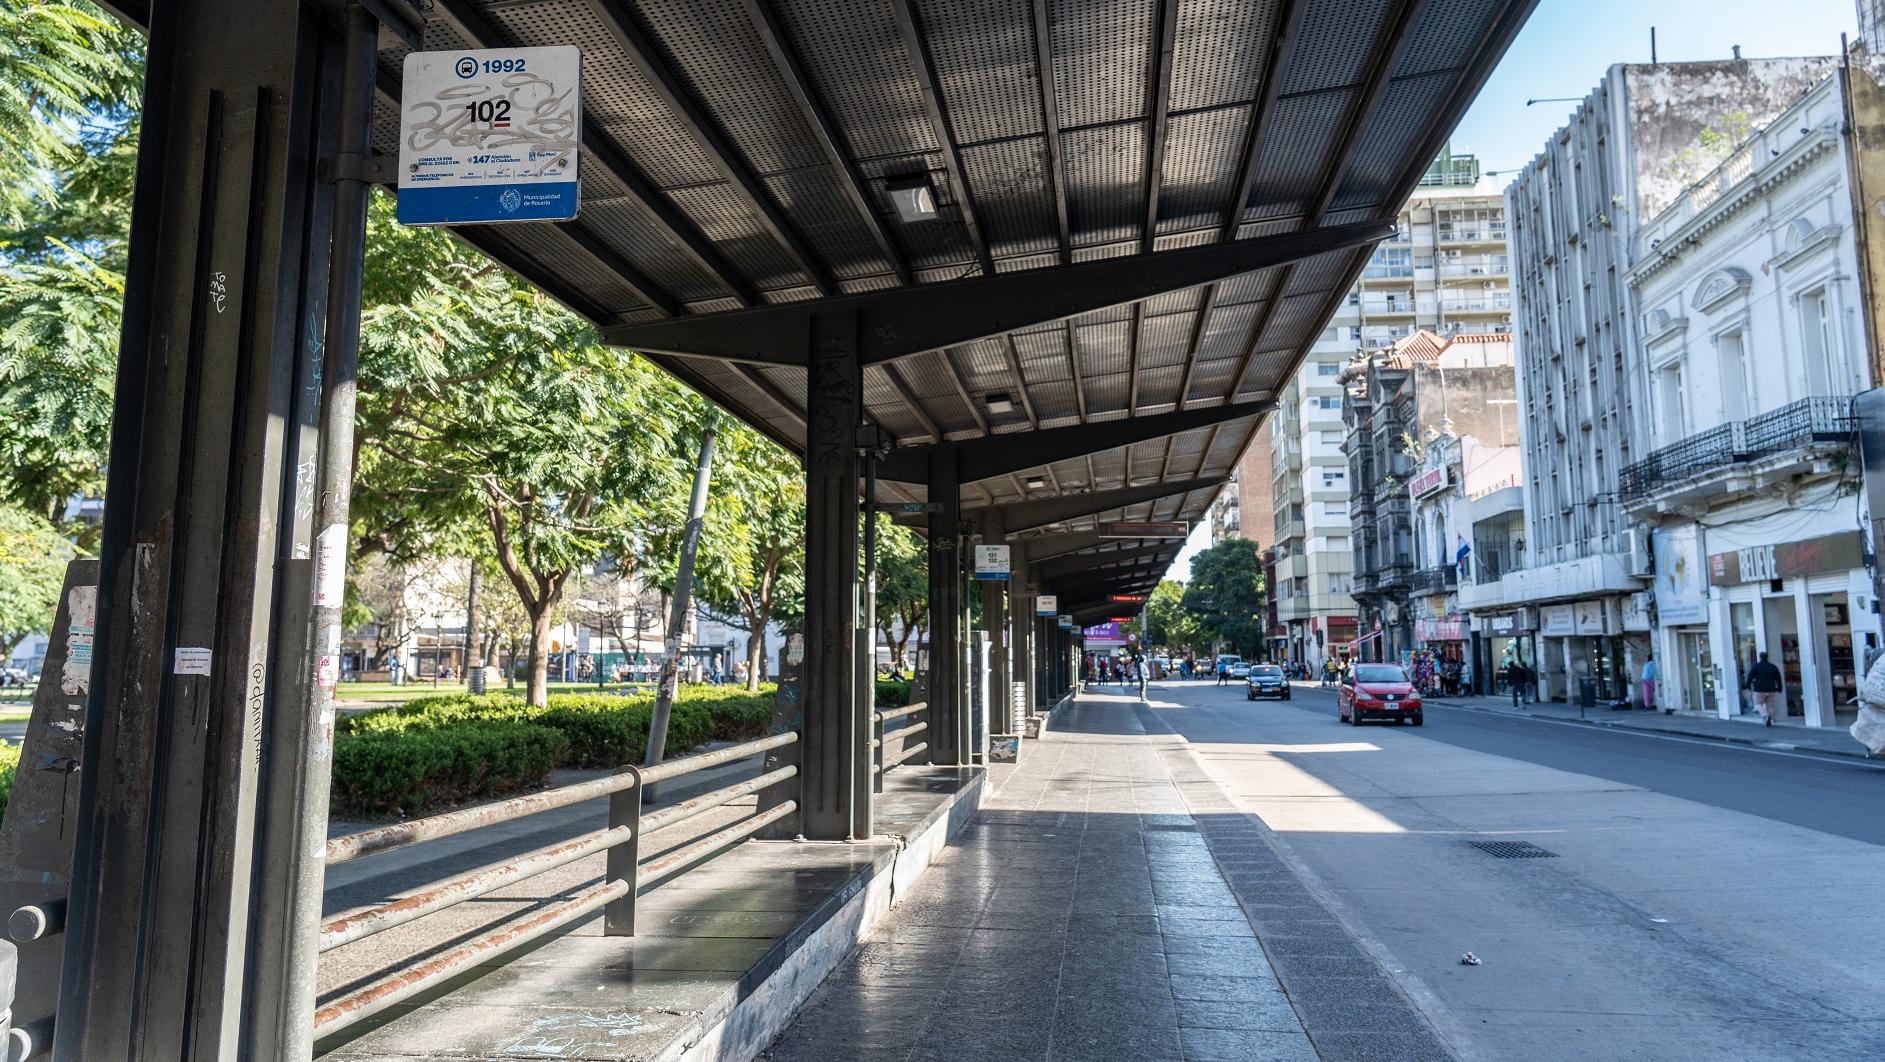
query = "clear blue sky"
{"x": 1566, "y": 46}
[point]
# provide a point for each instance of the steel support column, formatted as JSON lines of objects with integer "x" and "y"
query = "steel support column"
{"x": 946, "y": 711}
{"x": 1020, "y": 631}
{"x": 206, "y": 558}
{"x": 994, "y": 622}
{"x": 830, "y": 808}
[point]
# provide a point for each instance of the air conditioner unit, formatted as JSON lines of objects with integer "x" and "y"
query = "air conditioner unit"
{"x": 1636, "y": 552}
{"x": 1489, "y": 285}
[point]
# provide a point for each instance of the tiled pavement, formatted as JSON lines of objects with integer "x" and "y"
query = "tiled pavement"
{"x": 1106, "y": 905}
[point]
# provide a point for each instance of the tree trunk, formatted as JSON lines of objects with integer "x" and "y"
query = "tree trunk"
{"x": 537, "y": 693}
{"x": 474, "y": 641}
{"x": 683, "y": 588}
{"x": 755, "y": 656}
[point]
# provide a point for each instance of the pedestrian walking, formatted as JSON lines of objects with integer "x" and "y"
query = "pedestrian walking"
{"x": 1765, "y": 681}
{"x": 1651, "y": 675}
{"x": 1223, "y": 671}
{"x": 1515, "y": 677}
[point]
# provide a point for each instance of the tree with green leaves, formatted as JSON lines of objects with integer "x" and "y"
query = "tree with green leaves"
{"x": 33, "y": 556}
{"x": 753, "y": 554}
{"x": 902, "y": 588}
{"x": 70, "y": 75}
{"x": 1226, "y": 594}
{"x": 1169, "y": 625}
{"x": 487, "y": 404}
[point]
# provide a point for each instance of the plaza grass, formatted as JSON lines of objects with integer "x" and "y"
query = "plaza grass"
{"x": 9, "y": 762}
{"x": 435, "y": 752}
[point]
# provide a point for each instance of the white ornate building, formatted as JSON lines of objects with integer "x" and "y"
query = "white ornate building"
{"x": 1753, "y": 343}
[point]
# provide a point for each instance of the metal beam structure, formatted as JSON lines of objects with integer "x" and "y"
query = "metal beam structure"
{"x": 1061, "y": 567}
{"x": 998, "y": 455}
{"x": 1023, "y": 516}
{"x": 946, "y": 709}
{"x": 899, "y": 322}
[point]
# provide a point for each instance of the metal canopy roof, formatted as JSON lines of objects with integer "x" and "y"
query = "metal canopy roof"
{"x": 738, "y": 152}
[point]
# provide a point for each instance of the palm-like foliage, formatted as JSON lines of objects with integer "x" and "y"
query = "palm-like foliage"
{"x": 67, "y": 70}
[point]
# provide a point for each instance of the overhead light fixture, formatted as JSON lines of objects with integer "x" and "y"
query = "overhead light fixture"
{"x": 999, "y": 403}
{"x": 1035, "y": 482}
{"x": 913, "y": 198}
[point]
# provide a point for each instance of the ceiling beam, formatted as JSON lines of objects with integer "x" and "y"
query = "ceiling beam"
{"x": 1159, "y": 101}
{"x": 1020, "y": 379}
{"x": 1282, "y": 43}
{"x": 924, "y": 66}
{"x": 1060, "y": 567}
{"x": 1029, "y": 515}
{"x": 998, "y": 455}
{"x": 641, "y": 52}
{"x": 1050, "y": 124}
{"x": 1368, "y": 104}
{"x": 817, "y": 116}
{"x": 599, "y": 152}
{"x": 900, "y": 322}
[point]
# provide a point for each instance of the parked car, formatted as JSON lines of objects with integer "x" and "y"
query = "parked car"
{"x": 1266, "y": 680}
{"x": 1377, "y": 691}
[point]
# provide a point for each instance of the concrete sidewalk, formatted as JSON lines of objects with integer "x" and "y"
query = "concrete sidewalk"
{"x": 1740, "y": 730}
{"x": 1109, "y": 903}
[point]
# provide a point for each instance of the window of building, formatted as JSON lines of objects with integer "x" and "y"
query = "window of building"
{"x": 1333, "y": 476}
{"x": 1329, "y": 368}
{"x": 1731, "y": 350}
{"x": 1825, "y": 361}
{"x": 1333, "y": 509}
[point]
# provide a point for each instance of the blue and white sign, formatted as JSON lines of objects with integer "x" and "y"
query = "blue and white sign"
{"x": 490, "y": 135}
{"x": 1046, "y": 604}
{"x": 991, "y": 562}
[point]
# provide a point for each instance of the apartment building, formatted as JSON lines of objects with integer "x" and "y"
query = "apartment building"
{"x": 1445, "y": 271}
{"x": 1246, "y": 496}
{"x": 1578, "y": 601}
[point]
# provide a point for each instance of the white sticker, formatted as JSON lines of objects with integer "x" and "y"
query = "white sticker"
{"x": 327, "y": 671}
{"x": 330, "y": 566}
{"x": 191, "y": 661}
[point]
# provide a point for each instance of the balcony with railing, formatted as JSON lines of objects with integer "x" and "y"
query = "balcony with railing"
{"x": 1434, "y": 580}
{"x": 1491, "y": 302}
{"x": 1471, "y": 233}
{"x": 1396, "y": 574}
{"x": 1776, "y": 445}
{"x": 1475, "y": 268}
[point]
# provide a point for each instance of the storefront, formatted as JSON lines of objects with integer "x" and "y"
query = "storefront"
{"x": 1446, "y": 638}
{"x": 1584, "y": 642}
{"x": 1807, "y": 605}
{"x": 1498, "y": 639}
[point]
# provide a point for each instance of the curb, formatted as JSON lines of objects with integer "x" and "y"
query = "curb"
{"x": 1856, "y": 752}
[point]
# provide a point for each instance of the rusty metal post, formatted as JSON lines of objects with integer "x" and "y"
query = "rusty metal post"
{"x": 618, "y": 918}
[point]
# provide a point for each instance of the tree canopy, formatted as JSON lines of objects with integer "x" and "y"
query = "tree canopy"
{"x": 1226, "y": 594}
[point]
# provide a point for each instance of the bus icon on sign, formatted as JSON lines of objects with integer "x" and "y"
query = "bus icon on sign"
{"x": 467, "y": 67}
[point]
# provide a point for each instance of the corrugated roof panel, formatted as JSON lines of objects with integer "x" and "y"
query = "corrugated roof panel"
{"x": 1390, "y": 137}
{"x": 984, "y": 56}
{"x": 1201, "y": 160}
{"x": 1105, "y": 182}
{"x": 851, "y": 51}
{"x": 1101, "y": 50}
{"x": 1219, "y": 52}
{"x": 1338, "y": 41}
{"x": 1166, "y": 339}
{"x": 719, "y": 213}
{"x": 827, "y": 220}
{"x": 1447, "y": 34}
{"x": 1296, "y": 153}
{"x": 1014, "y": 200}
{"x": 1103, "y": 346}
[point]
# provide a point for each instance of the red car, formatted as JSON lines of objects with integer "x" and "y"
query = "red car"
{"x": 1377, "y": 691}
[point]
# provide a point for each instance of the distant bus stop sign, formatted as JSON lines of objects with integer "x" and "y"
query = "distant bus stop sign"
{"x": 490, "y": 135}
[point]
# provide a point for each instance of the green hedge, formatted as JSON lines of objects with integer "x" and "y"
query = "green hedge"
{"x": 892, "y": 693}
{"x": 436, "y": 751}
{"x": 9, "y": 762}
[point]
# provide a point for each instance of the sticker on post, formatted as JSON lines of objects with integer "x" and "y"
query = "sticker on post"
{"x": 330, "y": 566}
{"x": 191, "y": 661}
{"x": 488, "y": 135}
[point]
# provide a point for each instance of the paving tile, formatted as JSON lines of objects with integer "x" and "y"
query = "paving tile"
{"x": 1245, "y": 1045}
{"x": 1274, "y": 1014}
{"x": 1381, "y": 1047}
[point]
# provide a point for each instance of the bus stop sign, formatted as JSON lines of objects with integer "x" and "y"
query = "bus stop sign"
{"x": 490, "y": 135}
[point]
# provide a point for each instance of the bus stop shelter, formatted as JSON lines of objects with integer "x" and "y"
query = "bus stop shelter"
{"x": 1024, "y": 267}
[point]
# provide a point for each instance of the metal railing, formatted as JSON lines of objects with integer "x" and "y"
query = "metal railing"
{"x": 1496, "y": 267}
{"x": 884, "y": 761}
{"x": 1434, "y": 580}
{"x": 1825, "y": 421}
{"x": 625, "y": 877}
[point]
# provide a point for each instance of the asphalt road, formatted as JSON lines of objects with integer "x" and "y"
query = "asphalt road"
{"x": 1691, "y": 900}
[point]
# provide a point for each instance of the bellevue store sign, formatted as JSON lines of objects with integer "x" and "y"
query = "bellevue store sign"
{"x": 1787, "y": 560}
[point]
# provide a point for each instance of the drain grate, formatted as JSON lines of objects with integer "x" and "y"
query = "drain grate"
{"x": 1513, "y": 850}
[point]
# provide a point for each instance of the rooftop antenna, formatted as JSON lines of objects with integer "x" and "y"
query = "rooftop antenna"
{"x": 1652, "y": 45}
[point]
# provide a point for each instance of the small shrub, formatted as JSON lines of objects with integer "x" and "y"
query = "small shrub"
{"x": 892, "y": 693}
{"x": 9, "y": 763}
{"x": 436, "y": 751}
